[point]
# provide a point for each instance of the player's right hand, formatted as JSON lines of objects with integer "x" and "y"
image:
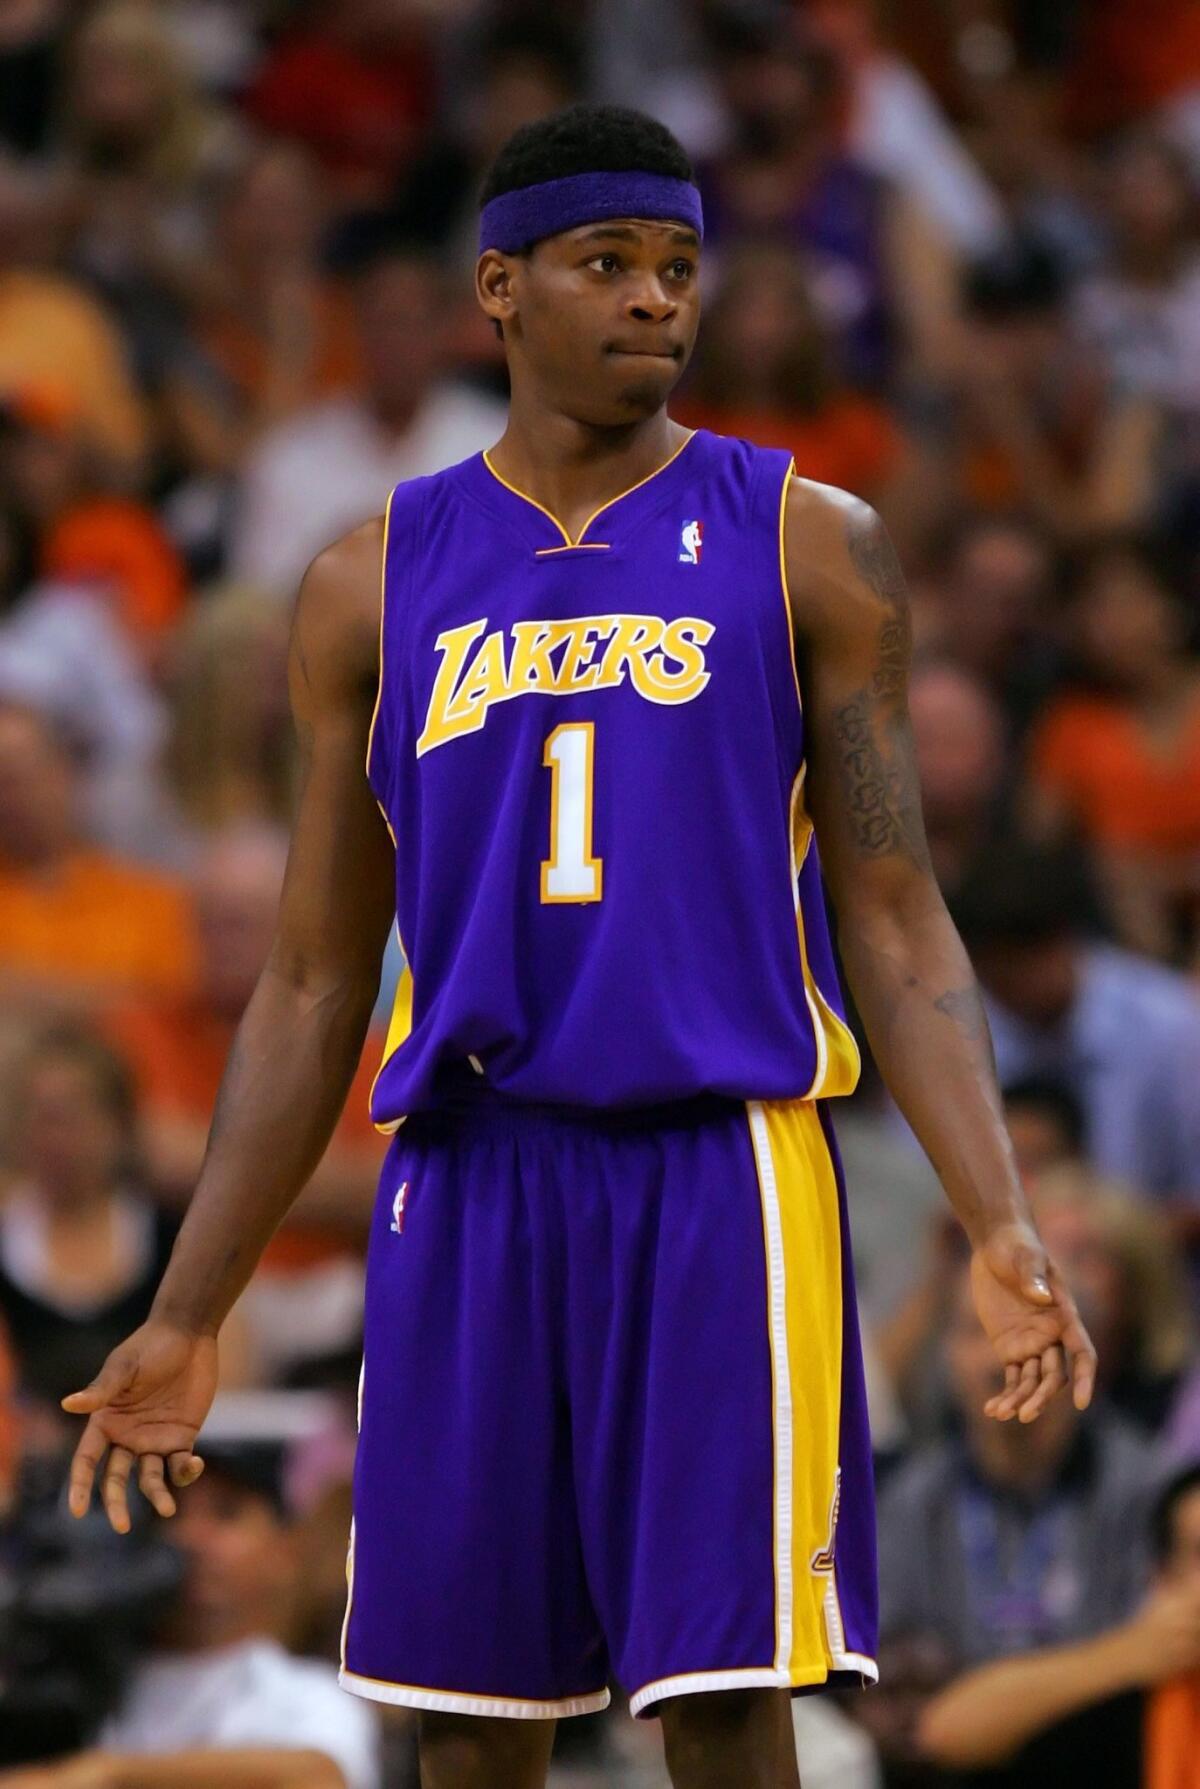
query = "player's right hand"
{"x": 146, "y": 1404}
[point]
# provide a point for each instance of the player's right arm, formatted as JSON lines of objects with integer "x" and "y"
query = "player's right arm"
{"x": 293, "y": 1058}
{"x": 904, "y": 960}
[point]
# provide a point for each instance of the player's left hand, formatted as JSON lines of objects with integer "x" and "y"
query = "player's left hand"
{"x": 1032, "y": 1323}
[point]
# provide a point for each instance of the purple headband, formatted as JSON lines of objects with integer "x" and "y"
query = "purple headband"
{"x": 514, "y": 220}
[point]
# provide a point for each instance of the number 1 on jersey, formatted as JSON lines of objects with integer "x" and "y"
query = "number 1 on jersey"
{"x": 571, "y": 873}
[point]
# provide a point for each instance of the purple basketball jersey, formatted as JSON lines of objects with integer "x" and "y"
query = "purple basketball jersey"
{"x": 591, "y": 755}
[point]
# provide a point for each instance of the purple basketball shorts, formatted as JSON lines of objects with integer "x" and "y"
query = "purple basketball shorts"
{"x": 612, "y": 1419}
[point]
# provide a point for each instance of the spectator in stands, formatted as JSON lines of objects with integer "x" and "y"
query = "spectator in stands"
{"x": 229, "y": 755}
{"x": 142, "y": 149}
{"x": 1037, "y": 426}
{"x": 52, "y": 332}
{"x": 133, "y": 118}
{"x": 1129, "y": 1279}
{"x": 66, "y": 653}
{"x": 520, "y": 69}
{"x": 87, "y": 533}
{"x": 1121, "y": 1707}
{"x": 1006, "y": 1537}
{"x": 333, "y": 466}
{"x": 275, "y": 333}
{"x": 897, "y": 126}
{"x": 306, "y": 1299}
{"x": 994, "y": 586}
{"x": 884, "y": 276}
{"x": 1065, "y": 1006}
{"x": 1141, "y": 315}
{"x": 78, "y": 926}
{"x": 1117, "y": 758}
{"x": 764, "y": 368}
{"x": 1045, "y": 1124}
{"x": 82, "y": 1248}
{"x": 219, "y": 1700}
{"x": 958, "y": 731}
{"x": 354, "y": 80}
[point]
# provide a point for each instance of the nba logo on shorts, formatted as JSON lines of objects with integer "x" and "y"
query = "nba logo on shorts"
{"x": 690, "y": 542}
{"x": 398, "y": 1204}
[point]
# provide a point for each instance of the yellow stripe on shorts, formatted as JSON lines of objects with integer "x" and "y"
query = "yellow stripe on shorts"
{"x": 802, "y": 1233}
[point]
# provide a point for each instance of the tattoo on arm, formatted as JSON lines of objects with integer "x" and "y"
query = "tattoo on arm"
{"x": 873, "y": 739}
{"x": 879, "y": 780}
{"x": 874, "y": 559}
{"x": 964, "y": 1008}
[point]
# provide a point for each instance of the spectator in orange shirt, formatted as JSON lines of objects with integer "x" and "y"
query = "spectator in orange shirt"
{"x": 306, "y": 1300}
{"x": 86, "y": 533}
{"x": 1037, "y": 425}
{"x": 1118, "y": 757}
{"x": 764, "y": 369}
{"x": 53, "y": 331}
{"x": 278, "y": 333}
{"x": 78, "y": 926}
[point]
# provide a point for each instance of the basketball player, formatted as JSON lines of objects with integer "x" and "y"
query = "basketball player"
{"x": 612, "y": 1414}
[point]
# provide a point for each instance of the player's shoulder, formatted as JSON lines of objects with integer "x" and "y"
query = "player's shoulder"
{"x": 826, "y": 515}
{"x": 832, "y": 537}
{"x": 337, "y": 610}
{"x": 348, "y": 557}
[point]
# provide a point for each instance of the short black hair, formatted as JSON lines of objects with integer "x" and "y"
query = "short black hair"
{"x": 257, "y": 1466}
{"x": 585, "y": 139}
{"x": 1060, "y": 1103}
{"x": 1162, "y": 1516}
{"x": 1022, "y": 891}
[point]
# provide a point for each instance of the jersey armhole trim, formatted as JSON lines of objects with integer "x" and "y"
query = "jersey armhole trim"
{"x": 387, "y": 522}
{"x": 783, "y": 581}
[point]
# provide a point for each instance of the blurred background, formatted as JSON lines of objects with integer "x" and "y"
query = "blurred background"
{"x": 953, "y": 263}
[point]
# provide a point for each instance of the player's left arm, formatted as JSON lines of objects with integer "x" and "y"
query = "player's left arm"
{"x": 905, "y": 962}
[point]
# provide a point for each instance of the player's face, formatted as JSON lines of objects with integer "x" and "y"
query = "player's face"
{"x": 601, "y": 319}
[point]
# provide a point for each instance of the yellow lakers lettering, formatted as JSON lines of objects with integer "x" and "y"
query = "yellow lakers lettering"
{"x": 663, "y": 660}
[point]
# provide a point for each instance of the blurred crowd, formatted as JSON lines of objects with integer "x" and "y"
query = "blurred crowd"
{"x": 952, "y": 262}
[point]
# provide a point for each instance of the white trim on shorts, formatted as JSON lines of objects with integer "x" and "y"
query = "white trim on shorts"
{"x": 407, "y": 1695}
{"x": 698, "y": 1683}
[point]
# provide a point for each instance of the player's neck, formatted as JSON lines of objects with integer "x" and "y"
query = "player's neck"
{"x": 571, "y": 468}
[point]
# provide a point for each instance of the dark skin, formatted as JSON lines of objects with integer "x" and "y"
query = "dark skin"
{"x": 598, "y": 324}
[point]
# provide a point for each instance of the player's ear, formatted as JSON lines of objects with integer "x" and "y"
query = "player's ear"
{"x": 493, "y": 285}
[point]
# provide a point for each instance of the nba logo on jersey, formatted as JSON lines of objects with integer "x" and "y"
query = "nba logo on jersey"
{"x": 398, "y": 1204}
{"x": 690, "y": 542}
